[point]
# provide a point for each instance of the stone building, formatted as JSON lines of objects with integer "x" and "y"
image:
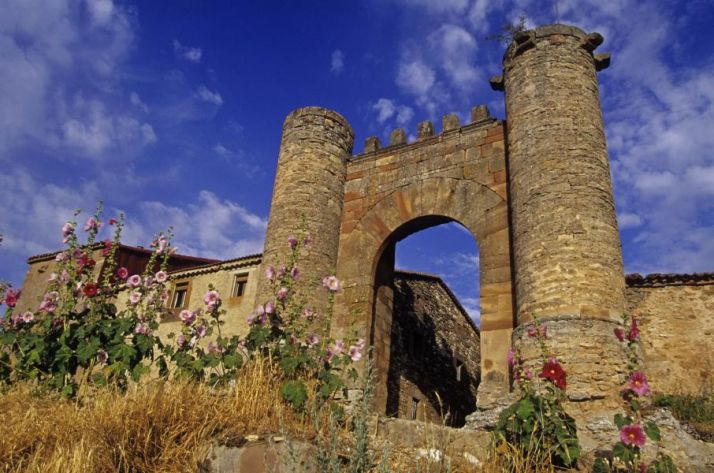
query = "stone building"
{"x": 533, "y": 190}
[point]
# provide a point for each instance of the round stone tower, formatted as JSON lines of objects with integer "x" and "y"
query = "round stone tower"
{"x": 309, "y": 188}
{"x": 567, "y": 252}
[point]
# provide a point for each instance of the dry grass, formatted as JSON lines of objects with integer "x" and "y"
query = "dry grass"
{"x": 158, "y": 427}
{"x": 169, "y": 427}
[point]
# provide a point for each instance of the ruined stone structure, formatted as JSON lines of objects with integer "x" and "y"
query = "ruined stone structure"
{"x": 534, "y": 192}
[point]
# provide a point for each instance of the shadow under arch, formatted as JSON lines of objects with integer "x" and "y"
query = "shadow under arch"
{"x": 366, "y": 250}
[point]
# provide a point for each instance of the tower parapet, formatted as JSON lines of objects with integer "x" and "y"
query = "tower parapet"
{"x": 567, "y": 252}
{"x": 309, "y": 186}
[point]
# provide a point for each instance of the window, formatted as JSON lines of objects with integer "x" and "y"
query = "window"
{"x": 180, "y": 292}
{"x": 239, "y": 283}
{"x": 415, "y": 408}
{"x": 459, "y": 369}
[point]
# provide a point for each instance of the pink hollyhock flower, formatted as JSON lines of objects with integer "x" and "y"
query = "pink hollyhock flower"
{"x": 214, "y": 348}
{"x": 619, "y": 334}
{"x": 11, "y": 297}
{"x": 164, "y": 297}
{"x": 312, "y": 340}
{"x": 64, "y": 277}
{"x": 295, "y": 273}
{"x": 134, "y": 297}
{"x": 142, "y": 329}
{"x": 53, "y": 277}
{"x": 308, "y": 314}
{"x": 553, "y": 372}
{"x": 107, "y": 247}
{"x": 161, "y": 277}
{"x": 532, "y": 331}
{"x": 282, "y": 293}
{"x": 638, "y": 383}
{"x": 355, "y": 353}
{"x": 211, "y": 299}
{"x": 529, "y": 374}
{"x": 28, "y": 317}
{"x": 77, "y": 254}
{"x": 543, "y": 331}
{"x": 331, "y": 283}
{"x": 112, "y": 221}
{"x": 201, "y": 330}
{"x": 49, "y": 302}
{"x": 281, "y": 272}
{"x": 329, "y": 354}
{"x": 634, "y": 331}
{"x": 160, "y": 244}
{"x": 187, "y": 317}
{"x": 292, "y": 242}
{"x": 61, "y": 256}
{"x": 510, "y": 358}
{"x": 270, "y": 272}
{"x": 632, "y": 435}
{"x": 148, "y": 281}
{"x": 67, "y": 230}
{"x": 90, "y": 289}
{"x": 307, "y": 241}
{"x": 181, "y": 340}
{"x": 360, "y": 343}
{"x": 102, "y": 356}
{"x": 92, "y": 224}
{"x": 269, "y": 307}
{"x": 123, "y": 273}
{"x": 251, "y": 320}
{"x": 339, "y": 347}
{"x": 133, "y": 281}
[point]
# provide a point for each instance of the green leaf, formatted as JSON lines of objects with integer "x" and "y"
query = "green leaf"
{"x": 294, "y": 392}
{"x": 232, "y": 361}
{"x": 652, "y": 431}
{"x": 601, "y": 466}
{"x": 525, "y": 409}
{"x": 87, "y": 350}
{"x": 621, "y": 421}
{"x": 138, "y": 371}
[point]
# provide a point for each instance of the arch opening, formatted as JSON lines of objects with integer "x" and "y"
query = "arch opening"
{"x": 432, "y": 368}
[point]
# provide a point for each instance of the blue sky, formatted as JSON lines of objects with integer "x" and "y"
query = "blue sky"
{"x": 172, "y": 113}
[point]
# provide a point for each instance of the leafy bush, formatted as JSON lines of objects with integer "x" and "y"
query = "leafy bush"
{"x": 77, "y": 337}
{"x": 634, "y": 432}
{"x": 536, "y": 425}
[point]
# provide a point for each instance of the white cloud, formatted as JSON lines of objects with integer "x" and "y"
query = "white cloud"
{"x": 456, "y": 50}
{"x": 222, "y": 150}
{"x": 91, "y": 130}
{"x": 191, "y": 54}
{"x": 415, "y": 77}
{"x": 137, "y": 102}
{"x": 211, "y": 227}
{"x": 337, "y": 62}
{"x": 53, "y": 54}
{"x": 629, "y": 220}
{"x": 207, "y": 96}
{"x": 386, "y": 109}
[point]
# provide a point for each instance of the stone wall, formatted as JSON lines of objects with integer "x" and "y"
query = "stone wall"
{"x": 222, "y": 276}
{"x": 435, "y": 360}
{"x": 676, "y": 312}
{"x": 391, "y": 192}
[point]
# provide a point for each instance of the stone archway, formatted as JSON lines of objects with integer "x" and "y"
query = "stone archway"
{"x": 366, "y": 261}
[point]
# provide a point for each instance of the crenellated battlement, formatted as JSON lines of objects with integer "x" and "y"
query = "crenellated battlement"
{"x": 450, "y": 123}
